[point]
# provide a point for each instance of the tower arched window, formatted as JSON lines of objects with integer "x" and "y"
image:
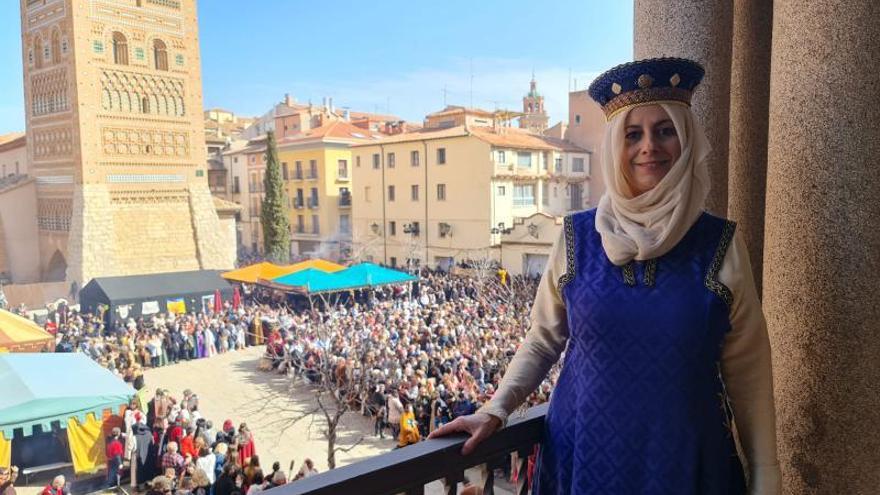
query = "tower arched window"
{"x": 56, "y": 47}
{"x": 120, "y": 49}
{"x": 160, "y": 55}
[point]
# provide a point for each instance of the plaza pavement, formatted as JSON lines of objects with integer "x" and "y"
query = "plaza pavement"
{"x": 230, "y": 386}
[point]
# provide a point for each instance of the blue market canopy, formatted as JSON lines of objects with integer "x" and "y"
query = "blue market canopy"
{"x": 364, "y": 275}
{"x": 39, "y": 389}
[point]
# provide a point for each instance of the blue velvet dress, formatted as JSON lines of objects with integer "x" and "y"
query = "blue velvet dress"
{"x": 640, "y": 407}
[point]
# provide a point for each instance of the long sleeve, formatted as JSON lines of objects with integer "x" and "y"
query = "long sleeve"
{"x": 746, "y": 369}
{"x": 544, "y": 342}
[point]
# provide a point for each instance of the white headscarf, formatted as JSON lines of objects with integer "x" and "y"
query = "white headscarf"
{"x": 649, "y": 225}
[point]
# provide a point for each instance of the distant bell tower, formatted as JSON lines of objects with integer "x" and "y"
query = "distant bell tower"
{"x": 535, "y": 118}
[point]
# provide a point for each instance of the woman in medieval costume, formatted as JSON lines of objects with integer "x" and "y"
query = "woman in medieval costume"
{"x": 653, "y": 301}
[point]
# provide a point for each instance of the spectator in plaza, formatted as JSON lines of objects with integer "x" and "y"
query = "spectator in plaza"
{"x": 409, "y": 429}
{"x": 227, "y": 435}
{"x": 201, "y": 482}
{"x": 225, "y": 484}
{"x": 7, "y": 480}
{"x": 279, "y": 479}
{"x": 246, "y": 446}
{"x": 114, "y": 452}
{"x": 376, "y": 410}
{"x": 172, "y": 459}
{"x": 220, "y": 450}
{"x": 56, "y": 487}
{"x": 257, "y": 484}
{"x": 187, "y": 443}
{"x": 160, "y": 485}
{"x": 253, "y": 467}
{"x": 276, "y": 466}
{"x": 207, "y": 462}
{"x": 395, "y": 411}
{"x": 306, "y": 470}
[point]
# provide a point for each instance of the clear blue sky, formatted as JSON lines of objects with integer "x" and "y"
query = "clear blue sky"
{"x": 383, "y": 55}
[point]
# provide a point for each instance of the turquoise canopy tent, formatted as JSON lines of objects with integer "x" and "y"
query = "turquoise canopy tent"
{"x": 364, "y": 275}
{"x": 39, "y": 389}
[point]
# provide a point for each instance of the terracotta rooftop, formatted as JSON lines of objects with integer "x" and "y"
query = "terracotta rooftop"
{"x": 12, "y": 140}
{"x": 506, "y": 137}
{"x": 421, "y": 134}
{"x": 334, "y": 130}
{"x": 455, "y": 109}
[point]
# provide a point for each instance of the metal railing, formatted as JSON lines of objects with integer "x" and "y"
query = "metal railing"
{"x": 345, "y": 200}
{"x": 407, "y": 470}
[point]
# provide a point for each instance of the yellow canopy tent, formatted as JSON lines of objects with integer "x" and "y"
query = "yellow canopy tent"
{"x": 19, "y": 334}
{"x": 270, "y": 271}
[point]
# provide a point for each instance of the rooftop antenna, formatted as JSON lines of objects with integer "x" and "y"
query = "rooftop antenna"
{"x": 569, "y": 79}
{"x": 444, "y": 96}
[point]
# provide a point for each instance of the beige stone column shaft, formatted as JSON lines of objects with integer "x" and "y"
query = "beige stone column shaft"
{"x": 749, "y": 100}
{"x": 822, "y": 243}
{"x": 701, "y": 31}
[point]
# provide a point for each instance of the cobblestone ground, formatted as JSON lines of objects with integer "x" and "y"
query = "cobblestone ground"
{"x": 230, "y": 386}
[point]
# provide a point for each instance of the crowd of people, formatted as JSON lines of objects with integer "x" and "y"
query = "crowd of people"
{"x": 171, "y": 447}
{"x": 416, "y": 360}
{"x": 413, "y": 356}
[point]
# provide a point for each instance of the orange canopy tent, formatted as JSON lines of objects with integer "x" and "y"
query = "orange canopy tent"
{"x": 269, "y": 271}
{"x": 18, "y": 334}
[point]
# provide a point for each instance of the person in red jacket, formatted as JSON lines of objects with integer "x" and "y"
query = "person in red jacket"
{"x": 115, "y": 450}
{"x": 56, "y": 487}
{"x": 187, "y": 444}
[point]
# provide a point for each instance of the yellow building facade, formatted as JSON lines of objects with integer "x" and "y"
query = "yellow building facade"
{"x": 115, "y": 128}
{"x": 438, "y": 196}
{"x": 317, "y": 168}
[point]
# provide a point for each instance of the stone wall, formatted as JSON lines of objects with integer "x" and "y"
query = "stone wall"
{"x": 154, "y": 236}
{"x": 213, "y": 248}
{"x": 92, "y": 235}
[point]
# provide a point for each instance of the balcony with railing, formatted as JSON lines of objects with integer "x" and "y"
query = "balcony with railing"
{"x": 313, "y": 203}
{"x": 408, "y": 470}
{"x": 345, "y": 201}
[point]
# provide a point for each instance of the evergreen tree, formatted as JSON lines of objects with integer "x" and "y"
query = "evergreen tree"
{"x": 276, "y": 225}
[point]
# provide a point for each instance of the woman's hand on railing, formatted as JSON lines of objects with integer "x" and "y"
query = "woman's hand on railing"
{"x": 479, "y": 426}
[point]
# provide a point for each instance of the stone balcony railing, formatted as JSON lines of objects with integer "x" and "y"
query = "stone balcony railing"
{"x": 408, "y": 470}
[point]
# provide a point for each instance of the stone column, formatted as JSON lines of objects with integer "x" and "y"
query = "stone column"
{"x": 822, "y": 243}
{"x": 749, "y": 100}
{"x": 700, "y": 30}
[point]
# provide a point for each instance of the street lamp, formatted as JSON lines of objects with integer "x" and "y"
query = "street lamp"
{"x": 501, "y": 230}
{"x": 375, "y": 228}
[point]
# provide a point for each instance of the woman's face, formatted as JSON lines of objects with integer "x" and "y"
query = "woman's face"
{"x": 650, "y": 148}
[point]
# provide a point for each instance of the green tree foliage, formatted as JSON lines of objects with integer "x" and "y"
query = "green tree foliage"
{"x": 276, "y": 225}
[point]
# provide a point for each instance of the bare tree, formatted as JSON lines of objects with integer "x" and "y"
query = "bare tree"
{"x": 413, "y": 248}
{"x": 483, "y": 269}
{"x": 363, "y": 248}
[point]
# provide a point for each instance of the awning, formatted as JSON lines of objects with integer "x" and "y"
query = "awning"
{"x": 360, "y": 276}
{"x": 19, "y": 334}
{"x": 39, "y": 389}
{"x": 270, "y": 271}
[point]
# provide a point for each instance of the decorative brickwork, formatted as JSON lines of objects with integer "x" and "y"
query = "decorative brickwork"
{"x": 129, "y": 92}
{"x": 119, "y": 141}
{"x": 55, "y": 142}
{"x": 49, "y": 92}
{"x": 54, "y": 214}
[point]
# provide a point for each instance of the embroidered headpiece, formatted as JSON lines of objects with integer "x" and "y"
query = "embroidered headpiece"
{"x": 644, "y": 82}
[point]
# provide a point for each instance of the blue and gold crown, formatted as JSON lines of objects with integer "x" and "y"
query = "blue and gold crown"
{"x": 644, "y": 82}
